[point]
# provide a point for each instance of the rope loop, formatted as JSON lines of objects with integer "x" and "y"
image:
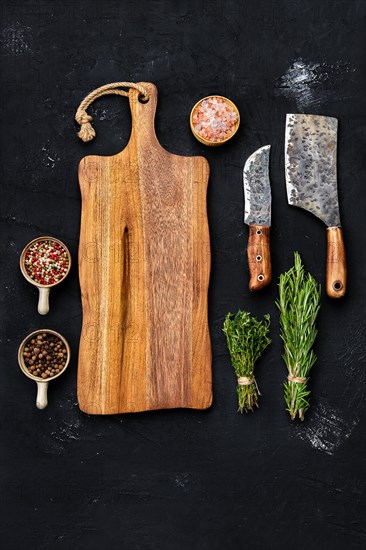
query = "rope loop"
{"x": 87, "y": 132}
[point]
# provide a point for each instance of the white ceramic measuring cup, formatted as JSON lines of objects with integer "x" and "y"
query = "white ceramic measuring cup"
{"x": 44, "y": 290}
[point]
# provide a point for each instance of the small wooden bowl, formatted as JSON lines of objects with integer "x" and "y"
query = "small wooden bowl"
{"x": 206, "y": 141}
{"x": 44, "y": 290}
{"x": 42, "y": 385}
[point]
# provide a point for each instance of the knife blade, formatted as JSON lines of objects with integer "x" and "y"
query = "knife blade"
{"x": 311, "y": 182}
{"x": 257, "y": 214}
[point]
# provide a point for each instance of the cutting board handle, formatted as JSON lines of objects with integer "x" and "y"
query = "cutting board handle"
{"x": 143, "y": 116}
{"x": 336, "y": 263}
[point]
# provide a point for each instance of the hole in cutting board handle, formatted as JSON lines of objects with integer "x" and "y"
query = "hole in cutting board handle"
{"x": 143, "y": 101}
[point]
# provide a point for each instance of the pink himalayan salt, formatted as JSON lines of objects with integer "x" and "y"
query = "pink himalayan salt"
{"x": 214, "y": 119}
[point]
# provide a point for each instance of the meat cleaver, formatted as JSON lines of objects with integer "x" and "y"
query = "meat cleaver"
{"x": 257, "y": 214}
{"x": 311, "y": 181}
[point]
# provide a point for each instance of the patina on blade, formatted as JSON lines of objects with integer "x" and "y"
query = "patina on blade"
{"x": 311, "y": 165}
{"x": 257, "y": 188}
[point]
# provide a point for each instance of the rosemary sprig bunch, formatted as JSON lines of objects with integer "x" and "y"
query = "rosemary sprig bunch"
{"x": 298, "y": 303}
{"x": 247, "y": 338}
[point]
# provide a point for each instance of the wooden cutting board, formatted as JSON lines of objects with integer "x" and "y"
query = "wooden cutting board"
{"x": 144, "y": 266}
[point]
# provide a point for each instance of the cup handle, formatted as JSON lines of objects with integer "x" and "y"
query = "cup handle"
{"x": 42, "y": 400}
{"x": 43, "y": 301}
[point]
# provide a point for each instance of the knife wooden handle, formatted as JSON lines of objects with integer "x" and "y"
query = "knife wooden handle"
{"x": 259, "y": 257}
{"x": 336, "y": 263}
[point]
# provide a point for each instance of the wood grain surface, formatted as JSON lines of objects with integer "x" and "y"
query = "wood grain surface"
{"x": 144, "y": 265}
{"x": 336, "y": 275}
{"x": 259, "y": 257}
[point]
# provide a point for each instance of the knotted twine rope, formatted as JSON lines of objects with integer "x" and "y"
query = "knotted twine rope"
{"x": 87, "y": 132}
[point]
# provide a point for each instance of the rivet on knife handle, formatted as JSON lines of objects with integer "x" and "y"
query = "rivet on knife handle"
{"x": 336, "y": 278}
{"x": 259, "y": 257}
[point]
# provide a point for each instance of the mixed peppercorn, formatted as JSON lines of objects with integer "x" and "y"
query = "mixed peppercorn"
{"x": 46, "y": 262}
{"x": 45, "y": 355}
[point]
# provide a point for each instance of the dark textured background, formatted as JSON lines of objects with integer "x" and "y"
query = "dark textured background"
{"x": 184, "y": 479}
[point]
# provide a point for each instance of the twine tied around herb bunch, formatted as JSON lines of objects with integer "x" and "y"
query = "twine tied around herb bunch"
{"x": 87, "y": 132}
{"x": 248, "y": 381}
{"x": 245, "y": 381}
{"x": 297, "y": 379}
{"x": 293, "y": 375}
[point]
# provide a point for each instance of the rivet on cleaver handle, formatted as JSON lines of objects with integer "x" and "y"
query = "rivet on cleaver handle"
{"x": 257, "y": 214}
{"x": 311, "y": 181}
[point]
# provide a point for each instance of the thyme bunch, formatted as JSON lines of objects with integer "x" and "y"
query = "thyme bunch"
{"x": 247, "y": 338}
{"x": 298, "y": 303}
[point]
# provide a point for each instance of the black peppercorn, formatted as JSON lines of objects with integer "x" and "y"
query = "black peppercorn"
{"x": 45, "y": 356}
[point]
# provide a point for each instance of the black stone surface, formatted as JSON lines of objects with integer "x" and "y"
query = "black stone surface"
{"x": 183, "y": 479}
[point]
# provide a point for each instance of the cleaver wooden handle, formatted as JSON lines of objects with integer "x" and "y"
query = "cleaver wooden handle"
{"x": 336, "y": 263}
{"x": 259, "y": 257}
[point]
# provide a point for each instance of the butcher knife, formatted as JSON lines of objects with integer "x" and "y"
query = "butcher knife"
{"x": 257, "y": 214}
{"x": 311, "y": 181}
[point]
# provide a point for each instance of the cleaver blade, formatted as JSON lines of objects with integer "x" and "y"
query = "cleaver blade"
{"x": 257, "y": 214}
{"x": 311, "y": 182}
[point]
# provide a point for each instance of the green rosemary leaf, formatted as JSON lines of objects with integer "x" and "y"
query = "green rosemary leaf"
{"x": 246, "y": 338}
{"x": 298, "y": 304}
